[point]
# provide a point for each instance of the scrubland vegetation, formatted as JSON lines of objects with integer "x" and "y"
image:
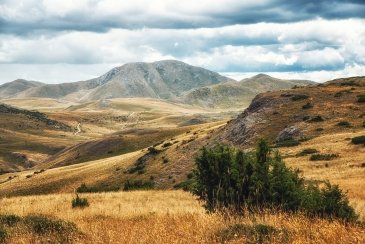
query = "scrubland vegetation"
{"x": 161, "y": 217}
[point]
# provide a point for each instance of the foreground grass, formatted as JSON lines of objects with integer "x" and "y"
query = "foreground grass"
{"x": 168, "y": 217}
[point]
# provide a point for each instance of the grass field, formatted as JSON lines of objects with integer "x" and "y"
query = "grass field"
{"x": 169, "y": 217}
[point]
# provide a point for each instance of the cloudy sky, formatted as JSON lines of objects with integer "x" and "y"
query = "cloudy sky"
{"x": 67, "y": 40}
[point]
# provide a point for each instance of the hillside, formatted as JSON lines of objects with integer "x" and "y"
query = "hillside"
{"x": 12, "y": 88}
{"x": 323, "y": 118}
{"x": 239, "y": 94}
{"x": 305, "y": 109}
{"x": 27, "y": 137}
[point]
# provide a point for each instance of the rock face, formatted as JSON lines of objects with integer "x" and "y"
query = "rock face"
{"x": 242, "y": 129}
{"x": 289, "y": 133}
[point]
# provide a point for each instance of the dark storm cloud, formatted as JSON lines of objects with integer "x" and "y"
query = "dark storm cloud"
{"x": 41, "y": 16}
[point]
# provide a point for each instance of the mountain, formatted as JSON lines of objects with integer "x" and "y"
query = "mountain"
{"x": 163, "y": 79}
{"x": 14, "y": 87}
{"x": 168, "y": 79}
{"x": 239, "y": 94}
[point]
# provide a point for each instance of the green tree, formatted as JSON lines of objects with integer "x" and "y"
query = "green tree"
{"x": 230, "y": 178}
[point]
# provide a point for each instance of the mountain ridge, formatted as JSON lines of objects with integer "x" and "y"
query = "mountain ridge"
{"x": 167, "y": 79}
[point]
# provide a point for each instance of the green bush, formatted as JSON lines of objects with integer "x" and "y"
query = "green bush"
{"x": 83, "y": 188}
{"x": 317, "y": 118}
{"x": 227, "y": 178}
{"x": 321, "y": 157}
{"x": 259, "y": 233}
{"x": 79, "y": 202}
{"x": 358, "y": 140}
{"x": 153, "y": 150}
{"x": 307, "y": 151}
{"x": 43, "y": 224}
{"x": 188, "y": 185}
{"x": 299, "y": 97}
{"x": 190, "y": 175}
{"x": 344, "y": 124}
{"x": 329, "y": 201}
{"x": 3, "y": 235}
{"x": 9, "y": 220}
{"x": 167, "y": 144}
{"x": 138, "y": 185}
{"x": 307, "y": 106}
{"x": 288, "y": 143}
{"x": 361, "y": 99}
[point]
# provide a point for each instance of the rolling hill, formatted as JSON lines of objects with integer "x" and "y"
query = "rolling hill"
{"x": 323, "y": 118}
{"x": 239, "y": 94}
{"x": 12, "y": 88}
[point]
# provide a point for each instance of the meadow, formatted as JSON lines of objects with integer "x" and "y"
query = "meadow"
{"x": 168, "y": 217}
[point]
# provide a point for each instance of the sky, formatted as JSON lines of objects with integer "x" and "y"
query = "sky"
{"x": 66, "y": 40}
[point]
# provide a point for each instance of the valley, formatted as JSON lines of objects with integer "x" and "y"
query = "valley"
{"x": 52, "y": 147}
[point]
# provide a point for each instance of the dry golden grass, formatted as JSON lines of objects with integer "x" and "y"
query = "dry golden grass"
{"x": 170, "y": 217}
{"x": 346, "y": 170}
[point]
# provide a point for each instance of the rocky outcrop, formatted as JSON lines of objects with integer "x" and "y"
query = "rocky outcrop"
{"x": 289, "y": 133}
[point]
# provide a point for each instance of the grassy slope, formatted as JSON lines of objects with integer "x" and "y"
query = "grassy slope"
{"x": 108, "y": 172}
{"x": 345, "y": 170}
{"x": 171, "y": 217}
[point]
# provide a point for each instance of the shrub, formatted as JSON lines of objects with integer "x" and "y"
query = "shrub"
{"x": 363, "y": 124}
{"x": 288, "y": 143}
{"x": 307, "y": 151}
{"x": 362, "y": 165}
{"x": 358, "y": 140}
{"x": 190, "y": 175}
{"x": 188, "y": 185}
{"x": 167, "y": 144}
{"x": 344, "y": 124}
{"x": 3, "y": 235}
{"x": 319, "y": 129}
{"x": 165, "y": 160}
{"x": 42, "y": 225}
{"x": 138, "y": 185}
{"x": 153, "y": 150}
{"x": 320, "y": 157}
{"x": 317, "y": 118}
{"x": 307, "y": 106}
{"x": 9, "y": 220}
{"x": 83, "y": 188}
{"x": 299, "y": 97}
{"x": 79, "y": 202}
{"x": 259, "y": 233}
{"x": 329, "y": 201}
{"x": 361, "y": 99}
{"x": 227, "y": 178}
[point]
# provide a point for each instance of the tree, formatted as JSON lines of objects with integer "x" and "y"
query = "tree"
{"x": 231, "y": 179}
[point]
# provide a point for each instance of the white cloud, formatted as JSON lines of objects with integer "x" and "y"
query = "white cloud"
{"x": 264, "y": 47}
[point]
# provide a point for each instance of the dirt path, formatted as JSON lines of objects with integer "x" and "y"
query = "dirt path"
{"x": 78, "y": 129}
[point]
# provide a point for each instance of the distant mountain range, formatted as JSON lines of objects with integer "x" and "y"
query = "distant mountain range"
{"x": 169, "y": 79}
